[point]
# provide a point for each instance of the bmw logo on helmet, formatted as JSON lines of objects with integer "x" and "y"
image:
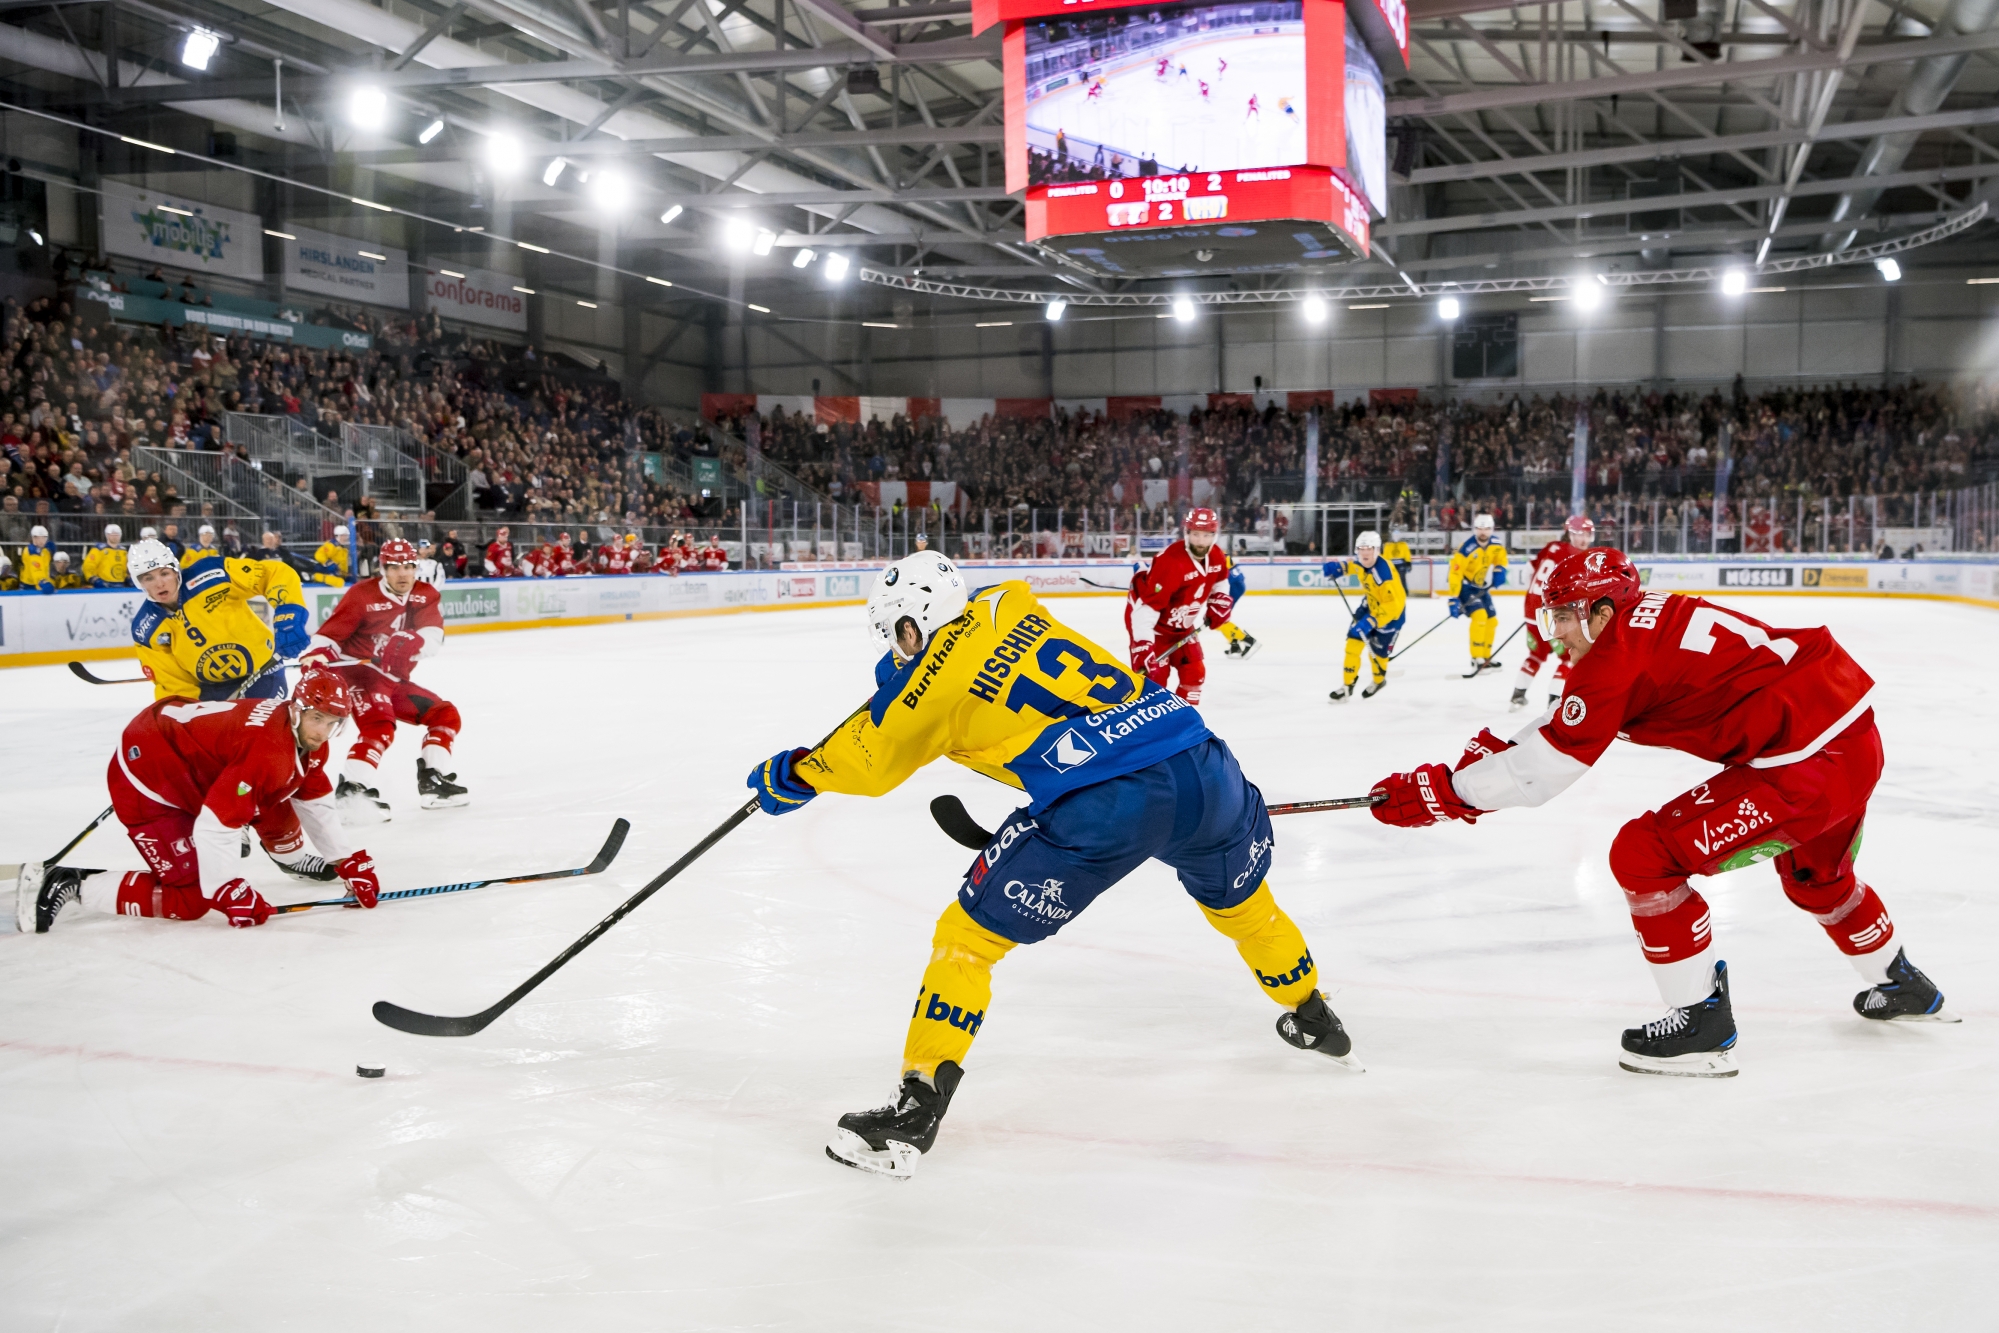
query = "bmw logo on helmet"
{"x": 890, "y": 577}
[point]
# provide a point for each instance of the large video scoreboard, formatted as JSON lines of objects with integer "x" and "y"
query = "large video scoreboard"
{"x": 1125, "y": 117}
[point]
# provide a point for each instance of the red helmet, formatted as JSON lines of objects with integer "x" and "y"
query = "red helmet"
{"x": 1580, "y": 525}
{"x": 396, "y": 551}
{"x": 323, "y": 692}
{"x": 1586, "y": 577}
{"x": 1202, "y": 520}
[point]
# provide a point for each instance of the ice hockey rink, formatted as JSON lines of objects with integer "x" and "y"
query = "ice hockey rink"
{"x": 639, "y": 1144}
{"x": 1141, "y": 114}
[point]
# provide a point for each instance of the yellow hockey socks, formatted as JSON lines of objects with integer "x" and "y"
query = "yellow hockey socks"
{"x": 1352, "y": 665}
{"x": 957, "y": 986}
{"x": 1231, "y": 631}
{"x": 1273, "y": 947}
{"x": 1483, "y": 627}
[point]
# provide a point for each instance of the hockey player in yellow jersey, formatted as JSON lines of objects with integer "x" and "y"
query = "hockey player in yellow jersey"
{"x": 37, "y": 562}
{"x": 104, "y": 566}
{"x": 197, "y": 634}
{"x": 1241, "y": 642}
{"x": 1116, "y": 770}
{"x": 1477, "y": 568}
{"x": 332, "y": 554}
{"x": 1384, "y": 607}
{"x": 204, "y": 548}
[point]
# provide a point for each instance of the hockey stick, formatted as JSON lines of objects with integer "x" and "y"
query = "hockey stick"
{"x": 1107, "y": 587}
{"x": 1420, "y": 637}
{"x": 961, "y": 828}
{"x": 70, "y": 846}
{"x": 1489, "y": 664}
{"x": 598, "y": 865}
{"x": 82, "y": 673}
{"x": 434, "y": 1025}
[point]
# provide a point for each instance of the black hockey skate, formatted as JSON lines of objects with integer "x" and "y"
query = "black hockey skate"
{"x": 1375, "y": 688}
{"x": 1906, "y": 997}
{"x": 438, "y": 791}
{"x": 1481, "y": 665}
{"x": 1695, "y": 1042}
{"x": 890, "y": 1139}
{"x": 1341, "y": 694}
{"x": 41, "y": 892}
{"x": 1243, "y": 647}
{"x": 304, "y": 865}
{"x": 359, "y": 804}
{"x": 1315, "y": 1027}
{"x": 1517, "y": 702}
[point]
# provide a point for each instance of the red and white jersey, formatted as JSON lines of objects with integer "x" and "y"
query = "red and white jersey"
{"x": 1684, "y": 674}
{"x": 1544, "y": 564}
{"x": 548, "y": 561}
{"x": 236, "y": 760}
{"x": 714, "y": 556}
{"x": 1171, "y": 597}
{"x": 500, "y": 560}
{"x": 668, "y": 561}
{"x": 370, "y": 615}
{"x": 614, "y": 558}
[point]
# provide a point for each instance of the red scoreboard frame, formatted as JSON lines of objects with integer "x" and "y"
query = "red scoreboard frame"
{"x": 1316, "y": 190}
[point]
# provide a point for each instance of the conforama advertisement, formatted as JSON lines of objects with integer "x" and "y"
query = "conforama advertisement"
{"x": 1133, "y": 116}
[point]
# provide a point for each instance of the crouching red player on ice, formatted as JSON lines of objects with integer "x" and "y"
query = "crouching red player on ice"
{"x": 1186, "y": 587}
{"x": 1786, "y": 712}
{"x": 372, "y": 641}
{"x": 188, "y": 779}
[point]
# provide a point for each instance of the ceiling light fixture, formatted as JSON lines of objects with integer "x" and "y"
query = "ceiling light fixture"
{"x": 368, "y": 108}
{"x": 431, "y": 131}
{"x": 1183, "y": 309}
{"x": 765, "y": 240}
{"x": 835, "y": 267}
{"x": 1315, "y": 309}
{"x": 670, "y": 214}
{"x": 198, "y": 48}
{"x": 1056, "y": 309}
{"x": 1889, "y": 269}
{"x": 1448, "y": 309}
{"x": 1734, "y": 282}
{"x": 554, "y": 171}
{"x": 801, "y": 259}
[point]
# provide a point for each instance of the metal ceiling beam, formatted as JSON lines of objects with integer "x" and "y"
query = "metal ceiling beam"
{"x": 971, "y": 194}
{"x": 918, "y": 135}
{"x": 1664, "y": 149}
{"x": 1712, "y": 199}
{"x": 1689, "y": 76}
{"x": 562, "y": 71}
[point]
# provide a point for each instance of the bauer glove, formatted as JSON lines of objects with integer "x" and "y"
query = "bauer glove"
{"x": 358, "y": 871}
{"x": 398, "y": 656}
{"x": 1499, "y": 576}
{"x": 780, "y": 790}
{"x": 1481, "y": 745}
{"x": 243, "y": 905}
{"x": 1419, "y": 799}
{"x": 1457, "y": 608}
{"x": 288, "y": 633}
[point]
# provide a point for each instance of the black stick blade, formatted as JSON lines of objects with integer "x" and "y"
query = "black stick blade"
{"x": 958, "y": 824}
{"x": 612, "y": 846}
{"x": 429, "y": 1025}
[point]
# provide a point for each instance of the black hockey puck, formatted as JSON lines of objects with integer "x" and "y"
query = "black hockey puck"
{"x": 370, "y": 1071}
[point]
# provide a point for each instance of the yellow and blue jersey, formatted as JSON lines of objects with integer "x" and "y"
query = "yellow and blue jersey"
{"x": 1381, "y": 583}
{"x": 209, "y": 642}
{"x": 106, "y": 565}
{"x": 194, "y": 554}
{"x": 35, "y": 565}
{"x": 1479, "y": 568}
{"x": 1008, "y": 691}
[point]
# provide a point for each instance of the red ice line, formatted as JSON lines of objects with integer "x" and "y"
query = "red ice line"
{"x": 224, "y": 1066}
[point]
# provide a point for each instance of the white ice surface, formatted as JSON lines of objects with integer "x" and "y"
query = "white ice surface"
{"x": 638, "y": 1146}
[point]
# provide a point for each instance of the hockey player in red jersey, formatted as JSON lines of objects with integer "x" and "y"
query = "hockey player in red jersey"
{"x": 1577, "y": 534}
{"x": 500, "y": 562}
{"x": 617, "y": 557}
{"x": 188, "y": 781}
{"x": 372, "y": 641}
{"x": 1185, "y": 588}
{"x": 714, "y": 556}
{"x": 668, "y": 561}
{"x": 1785, "y": 712}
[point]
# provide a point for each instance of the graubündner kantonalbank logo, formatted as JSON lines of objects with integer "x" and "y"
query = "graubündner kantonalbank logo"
{"x": 186, "y": 231}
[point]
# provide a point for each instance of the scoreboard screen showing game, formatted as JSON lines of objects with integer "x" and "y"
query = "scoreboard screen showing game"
{"x": 1134, "y": 116}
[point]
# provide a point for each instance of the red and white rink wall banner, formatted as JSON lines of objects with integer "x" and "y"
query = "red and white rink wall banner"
{"x": 39, "y": 629}
{"x": 967, "y": 413}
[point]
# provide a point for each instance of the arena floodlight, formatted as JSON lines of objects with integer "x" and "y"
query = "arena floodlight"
{"x": 835, "y": 267}
{"x": 554, "y": 171}
{"x": 1588, "y": 294}
{"x": 1734, "y": 281}
{"x": 610, "y": 190}
{"x": 368, "y": 108}
{"x": 198, "y": 48}
{"x": 1448, "y": 309}
{"x": 1183, "y": 309}
{"x": 672, "y": 212}
{"x": 802, "y": 258}
{"x": 765, "y": 240}
{"x": 1056, "y": 309}
{"x": 1889, "y": 269}
{"x": 431, "y": 131}
{"x": 1315, "y": 309}
{"x": 503, "y": 153}
{"x": 738, "y": 234}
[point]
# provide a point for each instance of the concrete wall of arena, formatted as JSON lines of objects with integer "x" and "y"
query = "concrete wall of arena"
{"x": 87, "y": 625}
{"x": 1932, "y": 325}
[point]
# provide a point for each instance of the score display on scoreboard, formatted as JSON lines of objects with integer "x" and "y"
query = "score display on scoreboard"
{"x": 1123, "y": 117}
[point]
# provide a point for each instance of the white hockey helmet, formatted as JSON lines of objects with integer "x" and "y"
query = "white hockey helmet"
{"x": 112, "y": 532}
{"x": 147, "y": 534}
{"x": 1367, "y": 541}
{"x": 1483, "y": 523}
{"x": 39, "y": 535}
{"x": 925, "y": 587}
{"x": 149, "y": 554}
